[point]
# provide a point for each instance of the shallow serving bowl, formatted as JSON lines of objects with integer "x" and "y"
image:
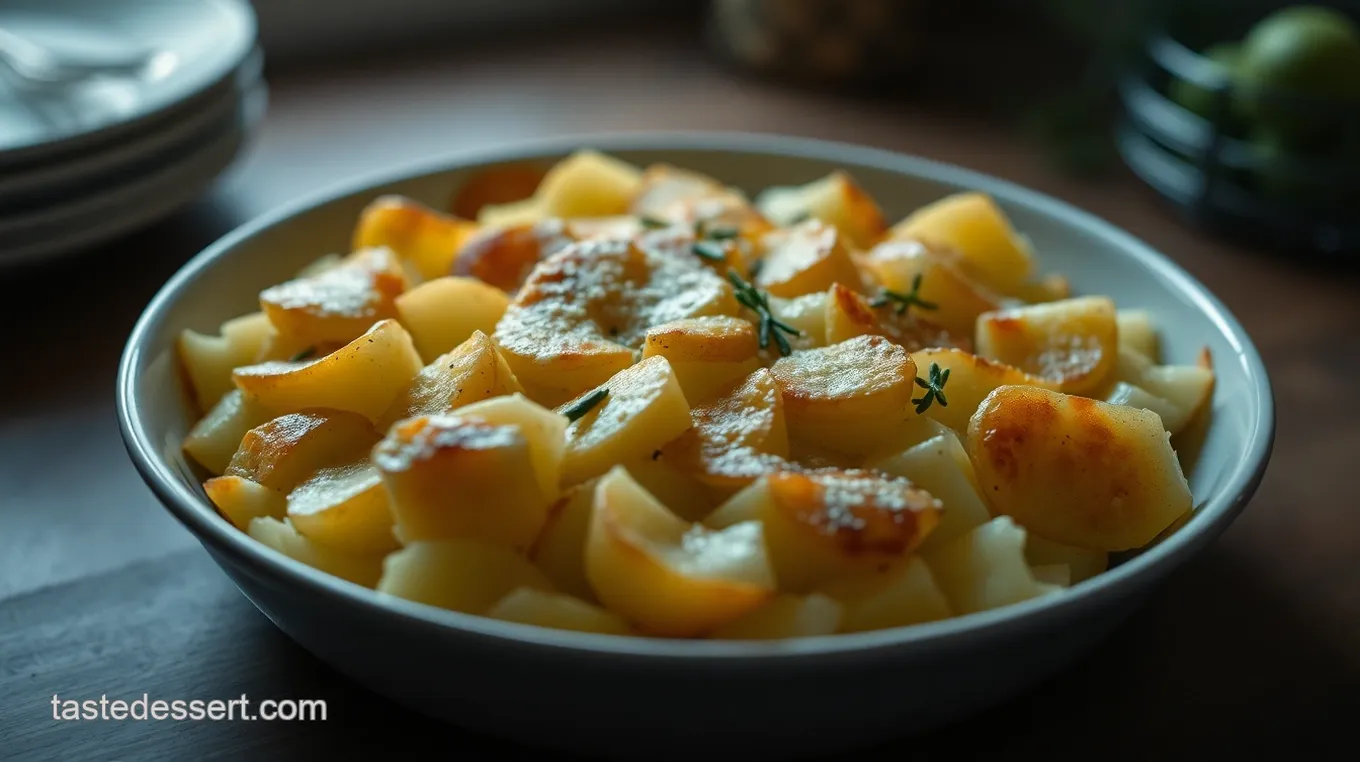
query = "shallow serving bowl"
{"x": 679, "y": 699}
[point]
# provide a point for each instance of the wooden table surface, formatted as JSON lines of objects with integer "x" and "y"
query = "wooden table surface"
{"x": 1252, "y": 649}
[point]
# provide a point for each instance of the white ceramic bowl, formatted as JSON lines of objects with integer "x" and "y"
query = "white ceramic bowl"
{"x": 682, "y": 699}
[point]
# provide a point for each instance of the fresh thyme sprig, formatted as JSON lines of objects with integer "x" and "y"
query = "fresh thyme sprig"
{"x": 752, "y": 298}
{"x": 305, "y": 354}
{"x": 934, "y": 388}
{"x": 708, "y": 241}
{"x": 653, "y": 223}
{"x": 585, "y": 404}
{"x": 709, "y": 250}
{"x": 903, "y": 301}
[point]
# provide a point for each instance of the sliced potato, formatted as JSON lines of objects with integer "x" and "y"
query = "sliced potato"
{"x": 1073, "y": 342}
{"x": 283, "y": 537}
{"x": 215, "y": 437}
{"x": 502, "y": 256}
{"x": 736, "y": 437}
{"x": 543, "y": 429}
{"x": 835, "y": 199}
{"x": 1053, "y": 575}
{"x": 954, "y": 299}
{"x": 1078, "y": 471}
{"x": 285, "y": 451}
{"x": 665, "y": 575}
{"x": 240, "y": 500}
{"x": 1049, "y": 288}
{"x": 941, "y": 467}
{"x": 364, "y": 376}
{"x": 444, "y": 312}
{"x": 209, "y": 360}
{"x": 339, "y": 304}
{"x": 688, "y": 198}
{"x": 849, "y": 315}
{"x": 500, "y": 184}
{"x": 806, "y": 258}
{"x": 512, "y": 213}
{"x": 971, "y": 379}
{"x": 425, "y": 238}
{"x": 829, "y": 524}
{"x": 895, "y": 594}
{"x": 975, "y": 227}
{"x": 1128, "y": 395}
{"x": 1081, "y": 563}
{"x": 709, "y": 355}
{"x": 589, "y": 184}
{"x": 1178, "y": 393}
{"x": 464, "y": 575}
{"x": 985, "y": 568}
{"x": 785, "y": 616}
{"x": 807, "y": 313}
{"x": 1138, "y": 333}
{"x": 675, "y": 486}
{"x": 473, "y": 371}
{"x": 560, "y": 550}
{"x": 527, "y": 605}
{"x": 344, "y": 507}
{"x": 642, "y": 410}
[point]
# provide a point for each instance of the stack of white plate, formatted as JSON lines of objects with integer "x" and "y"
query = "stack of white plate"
{"x": 115, "y": 113}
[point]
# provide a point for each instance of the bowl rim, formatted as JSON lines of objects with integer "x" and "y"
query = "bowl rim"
{"x": 226, "y": 543}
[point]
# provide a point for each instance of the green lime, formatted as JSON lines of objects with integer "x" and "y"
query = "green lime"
{"x": 1201, "y": 100}
{"x": 1303, "y": 51}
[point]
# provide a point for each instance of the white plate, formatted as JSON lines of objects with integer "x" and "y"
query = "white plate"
{"x": 199, "y": 43}
{"x": 135, "y": 204}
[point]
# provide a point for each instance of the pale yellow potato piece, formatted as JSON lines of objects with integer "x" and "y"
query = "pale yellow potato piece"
{"x": 665, "y": 575}
{"x": 849, "y": 315}
{"x": 454, "y": 476}
{"x": 1129, "y": 395}
{"x": 895, "y": 594}
{"x": 502, "y": 256}
{"x": 985, "y": 568}
{"x": 785, "y": 616}
{"x": 956, "y": 299}
{"x": 320, "y": 265}
{"x": 972, "y": 225}
{"x": 1055, "y": 575}
{"x": 589, "y": 184}
{"x": 427, "y": 239}
{"x": 806, "y": 258}
{"x": 737, "y": 437}
{"x": 526, "y": 211}
{"x": 445, "y": 312}
{"x": 835, "y": 199}
{"x": 527, "y": 605}
{"x": 971, "y": 379}
{"x": 215, "y": 437}
{"x": 807, "y": 313}
{"x": 344, "y": 507}
{"x": 853, "y": 397}
{"x": 285, "y": 451}
{"x": 209, "y": 360}
{"x": 1186, "y": 390}
{"x": 544, "y": 430}
{"x": 941, "y": 467}
{"x": 363, "y": 376}
{"x": 340, "y": 303}
{"x": 560, "y": 550}
{"x": 689, "y": 200}
{"x": 583, "y": 312}
{"x": 283, "y": 537}
{"x": 642, "y": 411}
{"x": 1076, "y": 470}
{"x": 709, "y": 355}
{"x": 1138, "y": 333}
{"x": 471, "y": 372}
{"x": 676, "y": 487}
{"x": 1049, "y": 288}
{"x": 464, "y": 575}
{"x": 829, "y": 524}
{"x": 1082, "y": 563}
{"x": 240, "y": 500}
{"x": 1073, "y": 343}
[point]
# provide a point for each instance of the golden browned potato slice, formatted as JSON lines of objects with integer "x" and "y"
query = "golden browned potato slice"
{"x": 209, "y": 360}
{"x": 1081, "y": 563}
{"x": 785, "y": 616}
{"x": 527, "y": 605}
{"x": 835, "y": 199}
{"x": 709, "y": 355}
{"x": 675, "y": 486}
{"x": 1073, "y": 343}
{"x": 737, "y": 437}
{"x": 667, "y": 576}
{"x": 344, "y": 507}
{"x": 1049, "y": 288}
{"x": 1177, "y": 393}
{"x": 807, "y": 313}
{"x": 214, "y": 439}
{"x": 1138, "y": 333}
{"x": 1078, "y": 471}
{"x": 583, "y": 312}
{"x": 425, "y": 238}
{"x": 339, "y": 304}
{"x": 284, "y": 452}
{"x": 283, "y": 537}
{"x": 975, "y": 227}
{"x": 698, "y": 203}
{"x": 853, "y": 397}
{"x": 971, "y": 379}
{"x": 500, "y": 184}
{"x": 665, "y": 188}
{"x": 894, "y": 594}
{"x": 643, "y": 409}
{"x": 461, "y": 574}
{"x": 589, "y": 184}
{"x": 544, "y": 429}
{"x": 954, "y": 299}
{"x": 941, "y": 467}
{"x": 986, "y": 569}
{"x": 364, "y": 376}
{"x": 443, "y": 313}
{"x": 504, "y": 255}
{"x": 451, "y": 476}
{"x": 472, "y": 372}
{"x": 240, "y": 500}
{"x": 807, "y": 257}
{"x": 829, "y": 524}
{"x": 560, "y": 550}
{"x": 849, "y": 315}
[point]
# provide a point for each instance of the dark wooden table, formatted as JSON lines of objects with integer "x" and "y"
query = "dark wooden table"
{"x": 1251, "y": 651}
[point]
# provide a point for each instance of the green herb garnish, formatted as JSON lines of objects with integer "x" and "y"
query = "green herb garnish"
{"x": 305, "y": 354}
{"x": 759, "y": 303}
{"x": 903, "y": 301}
{"x": 934, "y": 388}
{"x": 653, "y": 223}
{"x": 710, "y": 251}
{"x": 721, "y": 233}
{"x": 585, "y": 404}
{"x": 799, "y": 218}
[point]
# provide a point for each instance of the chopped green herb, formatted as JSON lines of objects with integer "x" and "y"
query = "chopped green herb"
{"x": 654, "y": 223}
{"x": 585, "y": 404}
{"x": 759, "y": 303}
{"x": 800, "y": 217}
{"x": 305, "y": 354}
{"x": 903, "y": 301}
{"x": 934, "y": 388}
{"x": 721, "y": 233}
{"x": 710, "y": 251}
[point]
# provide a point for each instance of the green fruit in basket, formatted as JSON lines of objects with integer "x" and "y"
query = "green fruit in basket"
{"x": 1308, "y": 51}
{"x": 1224, "y": 58}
